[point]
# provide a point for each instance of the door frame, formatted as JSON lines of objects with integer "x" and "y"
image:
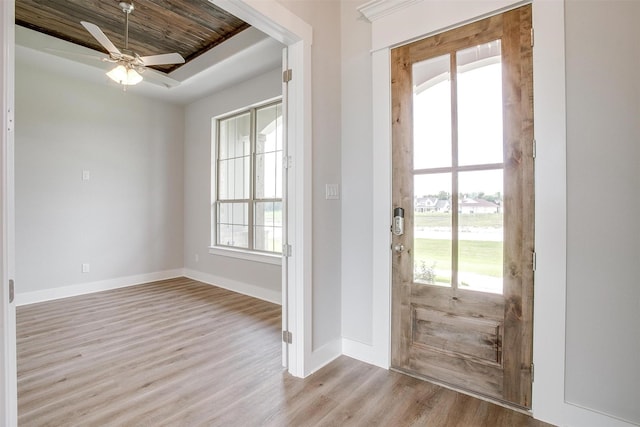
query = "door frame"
{"x": 278, "y": 22}
{"x": 550, "y": 129}
{"x": 281, "y": 24}
{"x": 8, "y": 370}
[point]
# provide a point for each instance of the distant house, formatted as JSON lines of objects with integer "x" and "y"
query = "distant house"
{"x": 471, "y": 206}
{"x": 443, "y": 206}
{"x": 425, "y": 204}
{"x": 431, "y": 204}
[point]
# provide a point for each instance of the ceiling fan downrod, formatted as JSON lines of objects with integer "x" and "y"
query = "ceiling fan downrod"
{"x": 127, "y": 8}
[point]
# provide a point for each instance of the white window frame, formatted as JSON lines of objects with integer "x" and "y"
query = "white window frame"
{"x": 248, "y": 254}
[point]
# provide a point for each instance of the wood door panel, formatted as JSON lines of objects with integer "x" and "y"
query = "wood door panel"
{"x": 465, "y": 303}
{"x": 463, "y": 373}
{"x": 519, "y": 251}
{"x": 466, "y": 336}
{"x": 480, "y": 32}
{"x": 471, "y": 339}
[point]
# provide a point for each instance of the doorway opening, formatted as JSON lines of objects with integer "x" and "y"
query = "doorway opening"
{"x": 279, "y": 23}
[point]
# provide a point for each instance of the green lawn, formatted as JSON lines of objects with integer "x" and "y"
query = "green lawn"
{"x": 479, "y": 257}
{"x": 438, "y": 219}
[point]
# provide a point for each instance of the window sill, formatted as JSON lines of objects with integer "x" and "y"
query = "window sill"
{"x": 274, "y": 259}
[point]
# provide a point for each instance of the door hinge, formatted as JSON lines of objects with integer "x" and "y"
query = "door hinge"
{"x": 287, "y": 162}
{"x": 10, "y": 120}
{"x": 533, "y": 260}
{"x": 532, "y": 42}
{"x": 287, "y": 337}
{"x": 12, "y": 291}
{"x": 287, "y": 75}
{"x": 286, "y": 250}
{"x": 534, "y": 148}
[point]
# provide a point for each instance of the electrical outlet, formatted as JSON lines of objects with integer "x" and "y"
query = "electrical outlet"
{"x": 85, "y": 268}
{"x": 86, "y": 175}
{"x": 197, "y": 257}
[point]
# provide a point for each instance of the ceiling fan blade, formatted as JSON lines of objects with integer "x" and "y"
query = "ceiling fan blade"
{"x": 164, "y": 59}
{"x": 97, "y": 34}
{"x": 157, "y": 77}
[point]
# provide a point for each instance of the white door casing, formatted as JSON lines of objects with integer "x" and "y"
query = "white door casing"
{"x": 8, "y": 392}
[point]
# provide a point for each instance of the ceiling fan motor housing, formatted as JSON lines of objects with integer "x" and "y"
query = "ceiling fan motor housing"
{"x": 126, "y": 7}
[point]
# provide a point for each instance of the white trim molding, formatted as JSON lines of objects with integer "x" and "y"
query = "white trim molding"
{"x": 264, "y": 258}
{"x": 235, "y": 286}
{"x": 323, "y": 355}
{"x": 376, "y": 9}
{"x": 92, "y": 287}
{"x": 363, "y": 352}
{"x": 8, "y": 383}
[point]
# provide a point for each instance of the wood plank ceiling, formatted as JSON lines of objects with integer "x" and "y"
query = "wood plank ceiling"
{"x": 189, "y": 27}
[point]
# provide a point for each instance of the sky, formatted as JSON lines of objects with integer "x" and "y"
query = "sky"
{"x": 479, "y": 130}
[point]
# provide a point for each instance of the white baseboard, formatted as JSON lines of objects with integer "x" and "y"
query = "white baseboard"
{"x": 363, "y": 352}
{"x": 322, "y": 356}
{"x": 91, "y": 287}
{"x": 236, "y": 286}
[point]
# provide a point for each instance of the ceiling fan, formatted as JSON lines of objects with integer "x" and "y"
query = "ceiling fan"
{"x": 130, "y": 66}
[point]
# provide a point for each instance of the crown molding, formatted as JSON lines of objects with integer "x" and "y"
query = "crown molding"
{"x": 376, "y": 9}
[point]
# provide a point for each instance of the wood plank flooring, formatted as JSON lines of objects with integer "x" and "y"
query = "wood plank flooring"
{"x": 182, "y": 353}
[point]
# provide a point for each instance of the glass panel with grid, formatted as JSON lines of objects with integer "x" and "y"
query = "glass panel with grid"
{"x": 234, "y": 157}
{"x": 458, "y": 169}
{"x": 248, "y": 207}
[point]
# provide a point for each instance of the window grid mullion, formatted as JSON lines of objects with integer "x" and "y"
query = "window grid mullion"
{"x": 454, "y": 171}
{"x": 252, "y": 179}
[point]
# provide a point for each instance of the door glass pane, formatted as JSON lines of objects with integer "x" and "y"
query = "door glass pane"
{"x": 432, "y": 113}
{"x": 479, "y": 85}
{"x": 432, "y": 229}
{"x": 480, "y": 231}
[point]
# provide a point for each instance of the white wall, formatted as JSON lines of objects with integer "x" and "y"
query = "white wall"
{"x": 324, "y": 17}
{"x": 357, "y": 185}
{"x": 254, "y": 278}
{"x": 127, "y": 219}
{"x": 603, "y": 242}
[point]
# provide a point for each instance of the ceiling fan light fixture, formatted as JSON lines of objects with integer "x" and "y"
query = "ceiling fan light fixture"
{"x": 129, "y": 64}
{"x": 124, "y": 75}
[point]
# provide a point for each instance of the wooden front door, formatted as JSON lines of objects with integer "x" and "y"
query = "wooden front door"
{"x": 462, "y": 107}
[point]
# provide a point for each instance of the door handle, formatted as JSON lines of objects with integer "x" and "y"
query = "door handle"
{"x": 398, "y": 248}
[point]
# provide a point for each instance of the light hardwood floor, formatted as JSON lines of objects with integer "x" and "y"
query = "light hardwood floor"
{"x": 182, "y": 353}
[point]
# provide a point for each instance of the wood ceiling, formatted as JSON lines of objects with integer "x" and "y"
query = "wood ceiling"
{"x": 189, "y": 27}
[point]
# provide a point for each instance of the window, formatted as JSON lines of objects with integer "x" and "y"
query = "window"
{"x": 247, "y": 205}
{"x": 458, "y": 169}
